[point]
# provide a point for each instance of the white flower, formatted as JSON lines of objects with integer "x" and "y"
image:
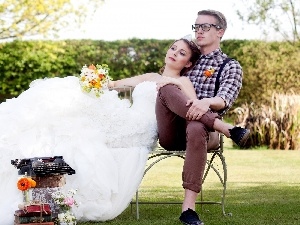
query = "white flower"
{"x": 66, "y": 217}
{"x": 72, "y": 191}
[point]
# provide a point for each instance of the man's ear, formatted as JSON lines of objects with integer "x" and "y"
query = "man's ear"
{"x": 221, "y": 33}
{"x": 189, "y": 64}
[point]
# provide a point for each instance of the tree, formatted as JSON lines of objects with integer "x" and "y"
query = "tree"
{"x": 20, "y": 18}
{"x": 283, "y": 16}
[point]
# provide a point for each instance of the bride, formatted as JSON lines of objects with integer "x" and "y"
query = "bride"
{"x": 106, "y": 140}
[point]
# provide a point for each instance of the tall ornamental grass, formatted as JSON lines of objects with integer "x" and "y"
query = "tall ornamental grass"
{"x": 276, "y": 126}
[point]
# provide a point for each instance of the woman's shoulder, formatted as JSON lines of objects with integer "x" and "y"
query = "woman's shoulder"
{"x": 184, "y": 79}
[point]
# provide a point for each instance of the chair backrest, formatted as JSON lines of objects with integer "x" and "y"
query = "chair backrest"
{"x": 124, "y": 92}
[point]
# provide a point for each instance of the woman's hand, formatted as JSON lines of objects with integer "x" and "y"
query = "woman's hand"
{"x": 111, "y": 84}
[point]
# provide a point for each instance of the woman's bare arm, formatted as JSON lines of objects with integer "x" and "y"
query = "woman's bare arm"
{"x": 131, "y": 81}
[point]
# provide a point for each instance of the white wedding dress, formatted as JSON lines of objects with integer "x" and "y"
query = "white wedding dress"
{"x": 105, "y": 140}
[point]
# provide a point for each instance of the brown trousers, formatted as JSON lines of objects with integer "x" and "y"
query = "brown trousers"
{"x": 175, "y": 132}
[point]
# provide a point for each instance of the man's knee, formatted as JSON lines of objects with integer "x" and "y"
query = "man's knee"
{"x": 167, "y": 90}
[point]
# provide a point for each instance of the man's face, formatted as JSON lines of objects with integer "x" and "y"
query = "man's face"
{"x": 206, "y": 32}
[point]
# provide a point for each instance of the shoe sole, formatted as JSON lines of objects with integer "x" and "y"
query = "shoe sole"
{"x": 190, "y": 223}
{"x": 244, "y": 138}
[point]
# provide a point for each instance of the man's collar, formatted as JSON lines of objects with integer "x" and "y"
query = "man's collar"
{"x": 212, "y": 54}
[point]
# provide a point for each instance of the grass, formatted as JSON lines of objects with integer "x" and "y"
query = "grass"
{"x": 263, "y": 188}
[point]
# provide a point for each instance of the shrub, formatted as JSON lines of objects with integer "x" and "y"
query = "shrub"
{"x": 267, "y": 66}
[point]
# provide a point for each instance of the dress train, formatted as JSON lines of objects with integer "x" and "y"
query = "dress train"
{"x": 105, "y": 140}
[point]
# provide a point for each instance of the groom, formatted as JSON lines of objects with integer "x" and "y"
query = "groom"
{"x": 192, "y": 133}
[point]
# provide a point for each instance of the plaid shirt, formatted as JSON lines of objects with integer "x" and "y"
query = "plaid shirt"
{"x": 230, "y": 78}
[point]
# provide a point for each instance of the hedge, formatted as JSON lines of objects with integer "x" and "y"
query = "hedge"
{"x": 267, "y": 66}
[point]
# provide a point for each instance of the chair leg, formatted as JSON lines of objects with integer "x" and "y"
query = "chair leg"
{"x": 222, "y": 158}
{"x": 137, "y": 205}
{"x": 222, "y": 177}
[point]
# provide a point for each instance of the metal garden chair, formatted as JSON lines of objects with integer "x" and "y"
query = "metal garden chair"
{"x": 215, "y": 163}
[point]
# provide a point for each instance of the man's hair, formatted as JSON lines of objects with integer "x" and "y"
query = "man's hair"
{"x": 221, "y": 20}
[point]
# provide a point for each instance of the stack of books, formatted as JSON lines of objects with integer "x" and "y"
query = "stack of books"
{"x": 35, "y": 213}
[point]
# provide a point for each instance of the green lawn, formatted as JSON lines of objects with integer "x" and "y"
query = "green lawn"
{"x": 263, "y": 188}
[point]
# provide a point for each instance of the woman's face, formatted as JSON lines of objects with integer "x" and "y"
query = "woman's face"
{"x": 178, "y": 55}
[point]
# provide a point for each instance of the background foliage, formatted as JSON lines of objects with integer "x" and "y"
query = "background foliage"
{"x": 276, "y": 125}
{"x": 23, "y": 61}
{"x": 269, "y": 67}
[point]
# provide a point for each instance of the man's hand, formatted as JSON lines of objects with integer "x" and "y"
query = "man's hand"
{"x": 197, "y": 109}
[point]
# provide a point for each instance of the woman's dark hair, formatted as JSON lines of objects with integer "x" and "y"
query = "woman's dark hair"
{"x": 194, "y": 57}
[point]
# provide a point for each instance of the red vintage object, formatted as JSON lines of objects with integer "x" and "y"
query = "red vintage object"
{"x": 21, "y": 213}
{"x": 38, "y": 207}
{"x": 36, "y": 213}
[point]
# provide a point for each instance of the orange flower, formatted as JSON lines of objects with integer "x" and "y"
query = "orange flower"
{"x": 32, "y": 182}
{"x": 93, "y": 82}
{"x": 209, "y": 72}
{"x": 101, "y": 76}
{"x": 92, "y": 67}
{"x": 23, "y": 184}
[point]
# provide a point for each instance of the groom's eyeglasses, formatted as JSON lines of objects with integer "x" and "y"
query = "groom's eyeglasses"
{"x": 204, "y": 27}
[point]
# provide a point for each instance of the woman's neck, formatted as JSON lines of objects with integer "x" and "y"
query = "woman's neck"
{"x": 171, "y": 73}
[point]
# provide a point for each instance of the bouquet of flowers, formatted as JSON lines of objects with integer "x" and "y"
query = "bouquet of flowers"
{"x": 65, "y": 203}
{"x": 93, "y": 79}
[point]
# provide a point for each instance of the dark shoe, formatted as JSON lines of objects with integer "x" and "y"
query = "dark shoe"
{"x": 239, "y": 135}
{"x": 190, "y": 217}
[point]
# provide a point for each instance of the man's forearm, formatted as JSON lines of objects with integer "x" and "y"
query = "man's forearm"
{"x": 216, "y": 103}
